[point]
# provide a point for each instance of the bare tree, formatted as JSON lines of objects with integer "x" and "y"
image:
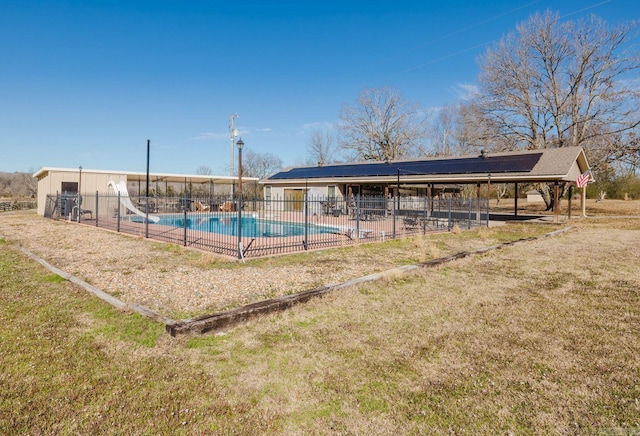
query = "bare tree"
{"x": 461, "y": 129}
{"x": 321, "y": 147}
{"x": 30, "y": 183}
{"x": 443, "y": 130}
{"x": 382, "y": 126}
{"x": 18, "y": 185}
{"x": 555, "y": 84}
{"x": 501, "y": 191}
{"x": 259, "y": 165}
{"x": 204, "y": 170}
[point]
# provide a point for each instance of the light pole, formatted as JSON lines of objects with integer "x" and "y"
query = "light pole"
{"x": 240, "y": 144}
{"x": 79, "y": 191}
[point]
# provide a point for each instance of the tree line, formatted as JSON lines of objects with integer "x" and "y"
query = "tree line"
{"x": 18, "y": 185}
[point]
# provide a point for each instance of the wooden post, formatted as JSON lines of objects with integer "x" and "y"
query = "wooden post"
{"x": 488, "y": 197}
{"x": 515, "y": 207}
{"x": 583, "y": 202}
{"x": 556, "y": 208}
{"x": 477, "y": 202}
{"x": 570, "y": 195}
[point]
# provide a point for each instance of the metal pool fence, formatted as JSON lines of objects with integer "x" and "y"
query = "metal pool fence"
{"x": 243, "y": 228}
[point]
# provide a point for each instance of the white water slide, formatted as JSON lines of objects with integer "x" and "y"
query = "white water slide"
{"x": 121, "y": 188}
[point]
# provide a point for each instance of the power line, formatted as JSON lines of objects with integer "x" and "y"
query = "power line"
{"x": 484, "y": 44}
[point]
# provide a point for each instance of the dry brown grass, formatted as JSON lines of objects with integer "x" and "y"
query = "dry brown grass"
{"x": 593, "y": 207}
{"x": 536, "y": 338}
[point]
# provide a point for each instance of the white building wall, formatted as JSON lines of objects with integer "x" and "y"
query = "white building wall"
{"x": 279, "y": 193}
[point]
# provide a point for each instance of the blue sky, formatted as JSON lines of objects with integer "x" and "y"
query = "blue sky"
{"x": 88, "y": 82}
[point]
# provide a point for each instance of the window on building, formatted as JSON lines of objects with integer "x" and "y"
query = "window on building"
{"x": 69, "y": 187}
{"x": 267, "y": 195}
{"x": 331, "y": 191}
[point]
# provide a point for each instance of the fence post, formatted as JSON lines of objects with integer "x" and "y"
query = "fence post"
{"x": 358, "y": 215}
{"x": 449, "y": 225}
{"x": 184, "y": 235}
{"x": 97, "y": 198}
{"x": 118, "y": 212}
{"x": 469, "y": 219}
{"x": 305, "y": 242}
{"x": 240, "y": 225}
{"x": 146, "y": 213}
{"x": 424, "y": 219}
{"x": 395, "y": 213}
{"x": 487, "y": 212}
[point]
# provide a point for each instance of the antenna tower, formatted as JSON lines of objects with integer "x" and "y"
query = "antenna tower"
{"x": 232, "y": 134}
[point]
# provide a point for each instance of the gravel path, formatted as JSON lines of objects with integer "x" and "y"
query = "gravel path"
{"x": 165, "y": 278}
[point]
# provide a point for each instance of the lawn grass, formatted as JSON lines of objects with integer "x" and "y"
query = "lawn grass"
{"x": 540, "y": 337}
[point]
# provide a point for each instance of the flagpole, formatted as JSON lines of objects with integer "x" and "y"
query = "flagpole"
{"x": 581, "y": 182}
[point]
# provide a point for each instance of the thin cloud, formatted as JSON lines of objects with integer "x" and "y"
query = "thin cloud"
{"x": 209, "y": 135}
{"x": 466, "y": 91}
{"x": 317, "y": 125}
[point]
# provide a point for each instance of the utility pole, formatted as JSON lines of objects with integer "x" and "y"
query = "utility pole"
{"x": 232, "y": 133}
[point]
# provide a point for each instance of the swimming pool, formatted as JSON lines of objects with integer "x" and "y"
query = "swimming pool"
{"x": 252, "y": 226}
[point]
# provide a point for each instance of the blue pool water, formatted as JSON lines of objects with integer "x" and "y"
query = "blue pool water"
{"x": 251, "y": 226}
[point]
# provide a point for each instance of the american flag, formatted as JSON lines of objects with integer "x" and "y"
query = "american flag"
{"x": 583, "y": 179}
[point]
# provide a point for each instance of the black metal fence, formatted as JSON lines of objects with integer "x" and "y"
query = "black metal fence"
{"x": 256, "y": 227}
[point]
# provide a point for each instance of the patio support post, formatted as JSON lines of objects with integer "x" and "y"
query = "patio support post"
{"x": 515, "y": 197}
{"x": 358, "y": 215}
{"x": 556, "y": 209}
{"x": 488, "y": 197}
{"x": 429, "y": 200}
{"x": 478, "y": 208}
{"x": 433, "y": 189}
{"x": 583, "y": 202}
{"x": 425, "y": 216}
{"x": 570, "y": 195}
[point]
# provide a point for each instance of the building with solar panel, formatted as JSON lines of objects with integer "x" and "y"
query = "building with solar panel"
{"x": 425, "y": 177}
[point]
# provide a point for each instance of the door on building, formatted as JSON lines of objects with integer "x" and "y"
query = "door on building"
{"x": 294, "y": 200}
{"x": 68, "y": 198}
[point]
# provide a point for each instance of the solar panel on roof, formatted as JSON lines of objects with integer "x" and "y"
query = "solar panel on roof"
{"x": 473, "y": 165}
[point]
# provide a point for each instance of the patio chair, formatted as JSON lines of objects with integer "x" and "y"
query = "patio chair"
{"x": 228, "y": 206}
{"x": 410, "y": 222}
{"x": 77, "y": 213}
